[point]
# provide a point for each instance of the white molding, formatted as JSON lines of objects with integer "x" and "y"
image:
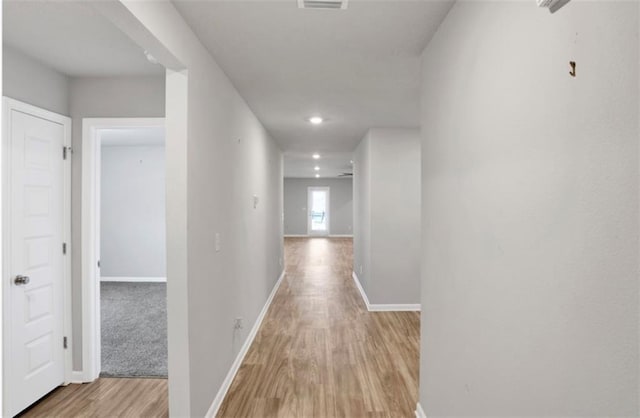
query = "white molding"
{"x": 226, "y": 384}
{"x": 78, "y": 377}
{"x": 361, "y": 289}
{"x": 420, "y": 412}
{"x": 397, "y": 307}
{"x": 8, "y": 105}
{"x": 90, "y": 231}
{"x": 316, "y": 236}
{"x": 134, "y": 279}
{"x": 384, "y": 307}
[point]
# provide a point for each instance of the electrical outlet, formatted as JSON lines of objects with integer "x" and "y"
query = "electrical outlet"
{"x": 238, "y": 323}
{"x": 218, "y": 242}
{"x": 255, "y": 201}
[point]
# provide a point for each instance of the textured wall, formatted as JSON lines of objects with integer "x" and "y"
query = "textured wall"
{"x": 27, "y": 80}
{"x": 132, "y": 213}
{"x": 387, "y": 215}
{"x": 530, "y": 212}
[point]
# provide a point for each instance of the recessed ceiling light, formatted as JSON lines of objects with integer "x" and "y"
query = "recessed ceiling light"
{"x": 316, "y": 168}
{"x": 316, "y": 120}
{"x": 316, "y": 156}
{"x": 326, "y": 4}
{"x": 317, "y": 176}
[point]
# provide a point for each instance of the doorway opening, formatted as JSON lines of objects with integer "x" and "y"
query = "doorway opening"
{"x": 318, "y": 211}
{"x": 124, "y": 232}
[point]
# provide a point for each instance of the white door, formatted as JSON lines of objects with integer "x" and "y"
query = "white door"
{"x": 318, "y": 211}
{"x": 34, "y": 263}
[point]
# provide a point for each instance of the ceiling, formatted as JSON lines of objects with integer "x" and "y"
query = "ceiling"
{"x": 73, "y": 38}
{"x": 359, "y": 68}
{"x": 132, "y": 137}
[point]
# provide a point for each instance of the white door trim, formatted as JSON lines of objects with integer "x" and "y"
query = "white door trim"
{"x": 91, "y": 233}
{"x": 309, "y": 204}
{"x": 10, "y": 105}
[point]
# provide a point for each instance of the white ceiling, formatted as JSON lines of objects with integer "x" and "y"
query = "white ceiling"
{"x": 73, "y": 38}
{"x": 132, "y": 137}
{"x": 359, "y": 68}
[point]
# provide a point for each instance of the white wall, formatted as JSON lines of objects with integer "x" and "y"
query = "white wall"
{"x": 30, "y": 81}
{"x": 362, "y": 212}
{"x": 101, "y": 97}
{"x": 387, "y": 234}
{"x": 340, "y": 205}
{"x": 218, "y": 157}
{"x": 530, "y": 212}
{"x": 132, "y": 213}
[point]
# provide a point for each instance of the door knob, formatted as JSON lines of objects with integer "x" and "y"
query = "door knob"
{"x": 22, "y": 280}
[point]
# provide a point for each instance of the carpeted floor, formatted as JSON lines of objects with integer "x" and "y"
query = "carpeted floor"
{"x": 134, "y": 329}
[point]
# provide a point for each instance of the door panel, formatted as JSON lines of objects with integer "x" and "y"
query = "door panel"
{"x": 36, "y": 222}
{"x": 318, "y": 211}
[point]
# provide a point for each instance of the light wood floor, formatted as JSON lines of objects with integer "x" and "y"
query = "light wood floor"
{"x": 319, "y": 353}
{"x": 106, "y": 398}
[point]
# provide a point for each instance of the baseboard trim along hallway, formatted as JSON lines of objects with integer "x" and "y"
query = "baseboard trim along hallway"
{"x": 420, "y": 412}
{"x": 226, "y": 384}
{"x": 384, "y": 307}
{"x": 319, "y": 236}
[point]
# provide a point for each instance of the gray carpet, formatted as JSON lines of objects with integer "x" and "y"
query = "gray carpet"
{"x": 134, "y": 329}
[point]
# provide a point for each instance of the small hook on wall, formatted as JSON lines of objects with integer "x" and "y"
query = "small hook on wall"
{"x": 573, "y": 68}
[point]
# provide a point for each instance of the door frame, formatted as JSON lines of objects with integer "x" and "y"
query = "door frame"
{"x": 310, "y": 232}
{"x": 91, "y": 153}
{"x": 9, "y": 105}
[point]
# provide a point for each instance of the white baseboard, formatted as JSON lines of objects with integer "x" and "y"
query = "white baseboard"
{"x": 134, "y": 279}
{"x": 78, "y": 377}
{"x": 226, "y": 384}
{"x": 420, "y": 412}
{"x": 390, "y": 307}
{"x": 318, "y": 236}
{"x": 384, "y": 307}
{"x": 362, "y": 292}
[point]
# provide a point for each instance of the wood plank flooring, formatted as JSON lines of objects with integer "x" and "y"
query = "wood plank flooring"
{"x": 106, "y": 397}
{"x": 320, "y": 353}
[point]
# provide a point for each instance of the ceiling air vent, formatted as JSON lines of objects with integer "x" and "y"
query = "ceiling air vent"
{"x": 322, "y": 4}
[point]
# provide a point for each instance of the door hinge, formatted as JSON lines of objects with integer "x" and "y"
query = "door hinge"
{"x": 66, "y": 151}
{"x": 64, "y": 343}
{"x": 64, "y": 248}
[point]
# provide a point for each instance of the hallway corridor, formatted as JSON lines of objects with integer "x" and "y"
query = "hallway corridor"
{"x": 320, "y": 353}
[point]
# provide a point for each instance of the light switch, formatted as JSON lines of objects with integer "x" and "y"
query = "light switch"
{"x": 218, "y": 242}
